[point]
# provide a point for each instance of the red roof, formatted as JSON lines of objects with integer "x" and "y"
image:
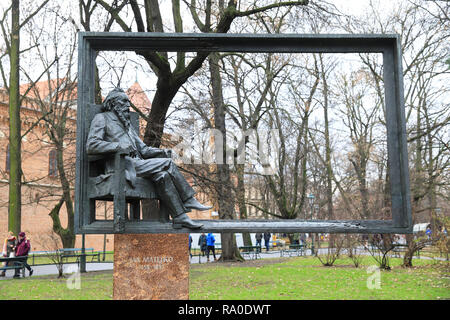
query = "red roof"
{"x": 67, "y": 91}
{"x": 44, "y": 90}
{"x": 139, "y": 98}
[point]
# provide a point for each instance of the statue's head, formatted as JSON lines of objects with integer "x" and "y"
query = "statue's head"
{"x": 118, "y": 101}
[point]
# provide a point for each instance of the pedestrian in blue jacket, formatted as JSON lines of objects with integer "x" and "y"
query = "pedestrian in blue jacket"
{"x": 210, "y": 240}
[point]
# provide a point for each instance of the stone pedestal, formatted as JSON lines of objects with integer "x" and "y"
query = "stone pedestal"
{"x": 151, "y": 267}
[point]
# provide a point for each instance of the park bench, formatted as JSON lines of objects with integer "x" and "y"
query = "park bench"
{"x": 253, "y": 252}
{"x": 79, "y": 255}
{"x": 67, "y": 253}
{"x": 198, "y": 253}
{"x": 39, "y": 254}
{"x": 13, "y": 264}
{"x": 74, "y": 250}
{"x": 294, "y": 249}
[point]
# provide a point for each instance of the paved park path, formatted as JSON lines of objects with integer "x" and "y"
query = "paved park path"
{"x": 42, "y": 270}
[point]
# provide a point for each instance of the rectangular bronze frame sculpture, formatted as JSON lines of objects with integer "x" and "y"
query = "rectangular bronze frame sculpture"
{"x": 388, "y": 45}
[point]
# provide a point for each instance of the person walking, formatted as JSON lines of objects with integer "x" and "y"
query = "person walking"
{"x": 210, "y": 241}
{"x": 21, "y": 250}
{"x": 8, "y": 249}
{"x": 267, "y": 237}
{"x": 295, "y": 238}
{"x": 202, "y": 243}
{"x": 428, "y": 232}
{"x": 258, "y": 238}
{"x": 303, "y": 239}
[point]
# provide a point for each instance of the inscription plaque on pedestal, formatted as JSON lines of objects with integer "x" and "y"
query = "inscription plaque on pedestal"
{"x": 151, "y": 267}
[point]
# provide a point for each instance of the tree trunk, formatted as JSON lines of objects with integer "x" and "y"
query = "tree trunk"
{"x": 226, "y": 201}
{"x": 157, "y": 117}
{"x": 329, "y": 186}
{"x": 67, "y": 235}
{"x": 230, "y": 251}
{"x": 431, "y": 176}
{"x": 407, "y": 258}
{"x": 240, "y": 193}
{"x": 15, "y": 170}
{"x": 67, "y": 238}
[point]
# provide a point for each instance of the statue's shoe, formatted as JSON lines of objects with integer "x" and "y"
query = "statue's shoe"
{"x": 184, "y": 221}
{"x": 193, "y": 203}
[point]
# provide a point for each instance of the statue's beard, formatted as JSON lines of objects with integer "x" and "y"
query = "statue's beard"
{"x": 123, "y": 118}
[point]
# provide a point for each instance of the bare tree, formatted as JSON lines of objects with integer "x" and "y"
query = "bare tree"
{"x": 57, "y": 105}
{"x": 379, "y": 248}
{"x": 11, "y": 38}
{"x": 288, "y": 184}
{"x": 333, "y": 250}
{"x": 423, "y": 36}
{"x": 15, "y": 171}
{"x": 354, "y": 251}
{"x": 361, "y": 119}
{"x": 51, "y": 243}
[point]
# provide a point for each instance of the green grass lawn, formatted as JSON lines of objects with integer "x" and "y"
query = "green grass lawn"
{"x": 306, "y": 278}
{"x": 284, "y": 278}
{"x": 94, "y": 286}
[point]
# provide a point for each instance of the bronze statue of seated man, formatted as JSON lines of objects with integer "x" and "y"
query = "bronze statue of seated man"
{"x": 111, "y": 132}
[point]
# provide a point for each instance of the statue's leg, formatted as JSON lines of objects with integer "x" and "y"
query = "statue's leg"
{"x": 149, "y": 167}
{"x": 171, "y": 200}
{"x": 168, "y": 193}
{"x": 184, "y": 189}
{"x": 164, "y": 212}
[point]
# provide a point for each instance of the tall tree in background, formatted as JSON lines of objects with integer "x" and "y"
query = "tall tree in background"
{"x": 12, "y": 44}
{"x": 56, "y": 105}
{"x": 226, "y": 198}
{"x": 15, "y": 169}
